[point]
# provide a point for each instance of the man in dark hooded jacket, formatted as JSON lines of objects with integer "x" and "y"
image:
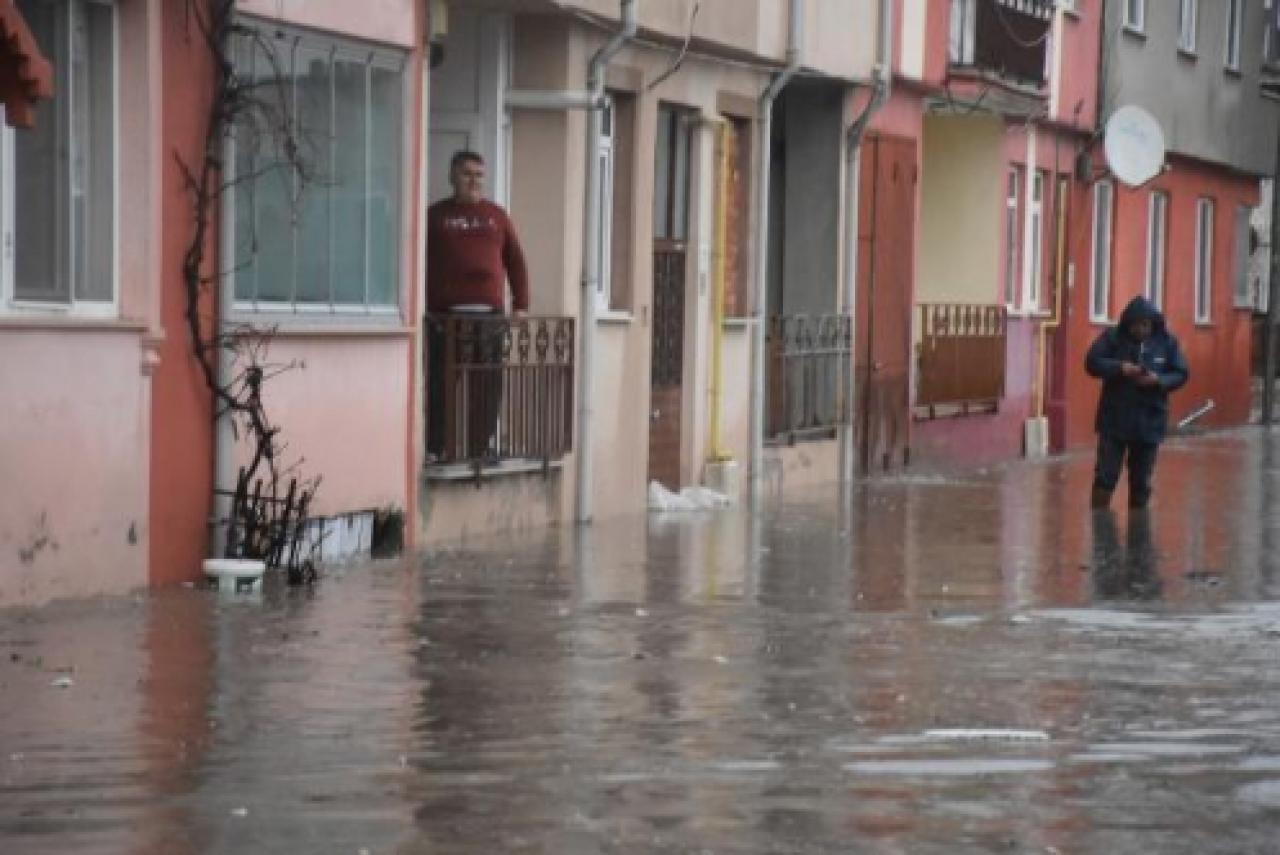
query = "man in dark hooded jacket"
{"x": 1139, "y": 363}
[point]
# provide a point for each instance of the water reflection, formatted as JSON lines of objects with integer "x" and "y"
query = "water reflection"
{"x": 1128, "y": 572}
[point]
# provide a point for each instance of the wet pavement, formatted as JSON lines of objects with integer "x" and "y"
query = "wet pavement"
{"x": 934, "y": 665}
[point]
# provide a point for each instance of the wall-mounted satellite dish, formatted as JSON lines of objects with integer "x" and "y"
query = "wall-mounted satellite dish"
{"x": 1134, "y": 146}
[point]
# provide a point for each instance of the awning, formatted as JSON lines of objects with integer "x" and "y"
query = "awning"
{"x": 25, "y": 75}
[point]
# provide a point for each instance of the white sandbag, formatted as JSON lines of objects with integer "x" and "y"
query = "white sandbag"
{"x": 689, "y": 499}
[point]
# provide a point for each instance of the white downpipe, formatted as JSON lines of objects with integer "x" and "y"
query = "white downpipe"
{"x": 852, "y": 194}
{"x": 760, "y": 298}
{"x": 591, "y": 261}
{"x": 224, "y": 433}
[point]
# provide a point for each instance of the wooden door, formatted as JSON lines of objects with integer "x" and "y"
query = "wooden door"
{"x": 886, "y": 271}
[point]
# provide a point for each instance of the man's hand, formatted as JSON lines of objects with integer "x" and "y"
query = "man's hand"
{"x": 1131, "y": 370}
{"x": 1148, "y": 379}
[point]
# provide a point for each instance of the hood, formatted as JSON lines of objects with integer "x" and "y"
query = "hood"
{"x": 1138, "y": 309}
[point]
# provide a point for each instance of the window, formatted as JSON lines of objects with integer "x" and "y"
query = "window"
{"x": 1235, "y": 22}
{"x": 606, "y": 207}
{"x": 1188, "y": 15}
{"x": 671, "y": 187}
{"x": 1270, "y": 44}
{"x": 1204, "y": 260}
{"x": 58, "y": 179}
{"x": 1135, "y": 15}
{"x": 1245, "y": 242}
{"x": 1157, "y": 241}
{"x": 322, "y": 237}
{"x": 1035, "y": 242}
{"x": 616, "y": 162}
{"x": 1012, "y": 235}
{"x": 1100, "y": 280}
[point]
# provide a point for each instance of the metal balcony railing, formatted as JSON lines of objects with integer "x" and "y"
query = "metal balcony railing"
{"x": 504, "y": 390}
{"x": 962, "y": 356}
{"x": 1008, "y": 38}
{"x": 809, "y": 362}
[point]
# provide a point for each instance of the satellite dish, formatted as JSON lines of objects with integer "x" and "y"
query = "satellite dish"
{"x": 1134, "y": 145}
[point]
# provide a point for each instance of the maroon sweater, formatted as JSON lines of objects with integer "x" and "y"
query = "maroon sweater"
{"x": 472, "y": 251}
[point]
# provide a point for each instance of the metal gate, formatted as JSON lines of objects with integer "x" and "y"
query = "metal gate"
{"x": 886, "y": 235}
{"x": 667, "y": 372}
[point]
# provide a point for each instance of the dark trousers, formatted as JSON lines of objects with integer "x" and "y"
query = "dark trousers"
{"x": 463, "y": 407}
{"x": 1141, "y": 464}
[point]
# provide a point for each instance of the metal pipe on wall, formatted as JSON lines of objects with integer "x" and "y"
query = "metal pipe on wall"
{"x": 760, "y": 297}
{"x": 852, "y": 193}
{"x": 596, "y": 71}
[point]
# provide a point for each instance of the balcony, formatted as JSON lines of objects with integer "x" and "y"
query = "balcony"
{"x": 961, "y": 359}
{"x": 809, "y": 363}
{"x": 1006, "y": 39}
{"x": 500, "y": 393}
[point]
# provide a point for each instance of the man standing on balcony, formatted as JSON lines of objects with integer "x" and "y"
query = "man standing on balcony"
{"x": 472, "y": 255}
{"x": 1139, "y": 363}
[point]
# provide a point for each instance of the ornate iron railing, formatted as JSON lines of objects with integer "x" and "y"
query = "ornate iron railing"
{"x": 962, "y": 355}
{"x": 810, "y": 358}
{"x": 1007, "y": 37}
{"x": 504, "y": 390}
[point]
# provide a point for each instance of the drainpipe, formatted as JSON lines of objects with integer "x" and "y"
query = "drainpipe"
{"x": 591, "y": 259}
{"x": 760, "y": 309}
{"x": 224, "y": 431}
{"x": 883, "y": 82}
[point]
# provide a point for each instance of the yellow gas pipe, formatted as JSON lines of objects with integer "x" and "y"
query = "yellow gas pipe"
{"x": 1056, "y": 321}
{"x": 715, "y": 450}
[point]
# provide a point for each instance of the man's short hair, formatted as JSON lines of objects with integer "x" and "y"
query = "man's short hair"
{"x": 462, "y": 157}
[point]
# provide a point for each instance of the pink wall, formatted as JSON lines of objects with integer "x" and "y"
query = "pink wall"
{"x": 342, "y": 412}
{"x": 73, "y": 510}
{"x": 984, "y": 439}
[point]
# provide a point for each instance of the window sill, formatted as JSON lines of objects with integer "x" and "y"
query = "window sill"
{"x": 1102, "y": 322}
{"x": 1233, "y": 72}
{"x": 614, "y": 318}
{"x": 1135, "y": 32}
{"x": 503, "y": 468}
{"x": 1205, "y": 325}
{"x": 70, "y": 323}
{"x": 736, "y": 323}
{"x": 1072, "y": 12}
{"x": 301, "y": 326}
{"x": 1187, "y": 54}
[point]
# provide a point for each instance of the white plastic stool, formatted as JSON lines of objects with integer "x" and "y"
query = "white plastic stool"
{"x": 235, "y": 574}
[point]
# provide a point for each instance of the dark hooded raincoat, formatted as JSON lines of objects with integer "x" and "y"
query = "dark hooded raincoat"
{"x": 1126, "y": 411}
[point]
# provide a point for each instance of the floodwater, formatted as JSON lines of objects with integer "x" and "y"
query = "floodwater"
{"x": 930, "y": 665}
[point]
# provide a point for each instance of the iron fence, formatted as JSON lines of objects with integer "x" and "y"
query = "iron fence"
{"x": 502, "y": 388}
{"x": 810, "y": 358}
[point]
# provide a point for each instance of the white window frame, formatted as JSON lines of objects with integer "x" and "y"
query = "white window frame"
{"x": 10, "y": 304}
{"x": 1188, "y": 26}
{"x": 1136, "y": 23}
{"x": 1033, "y": 241}
{"x": 374, "y": 56}
{"x": 1100, "y": 273}
{"x": 604, "y": 288}
{"x": 1206, "y": 210}
{"x": 1012, "y": 272}
{"x": 1157, "y": 246}
{"x": 1235, "y": 34}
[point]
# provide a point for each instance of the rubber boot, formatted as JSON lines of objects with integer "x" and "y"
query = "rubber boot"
{"x": 1100, "y": 499}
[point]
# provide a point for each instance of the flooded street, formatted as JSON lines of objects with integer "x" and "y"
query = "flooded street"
{"x": 935, "y": 665}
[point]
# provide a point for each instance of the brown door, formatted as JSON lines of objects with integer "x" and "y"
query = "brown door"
{"x": 885, "y": 275}
{"x": 670, "y": 231}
